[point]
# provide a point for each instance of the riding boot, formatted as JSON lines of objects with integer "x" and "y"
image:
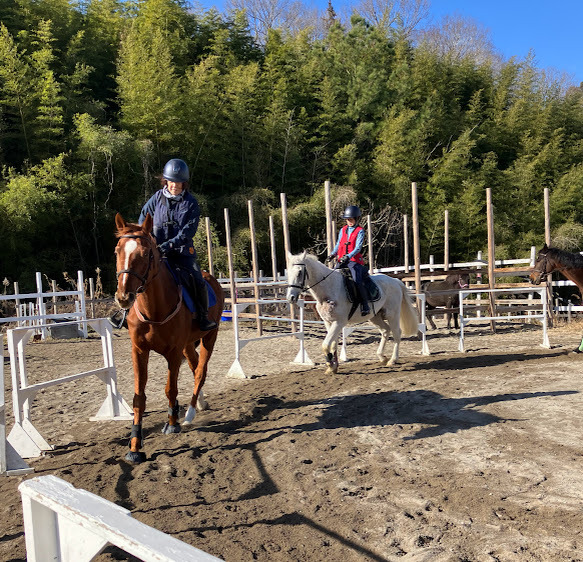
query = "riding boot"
{"x": 202, "y": 307}
{"x": 364, "y": 308}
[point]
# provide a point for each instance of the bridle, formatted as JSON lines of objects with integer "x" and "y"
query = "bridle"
{"x": 305, "y": 277}
{"x": 143, "y": 278}
{"x": 542, "y": 272}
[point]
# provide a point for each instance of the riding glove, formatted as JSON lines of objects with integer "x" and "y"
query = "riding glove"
{"x": 344, "y": 260}
{"x": 164, "y": 247}
{"x": 330, "y": 257}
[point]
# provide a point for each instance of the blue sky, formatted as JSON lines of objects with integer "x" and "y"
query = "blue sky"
{"x": 551, "y": 29}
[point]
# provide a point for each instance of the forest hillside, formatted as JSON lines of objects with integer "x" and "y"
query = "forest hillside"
{"x": 96, "y": 95}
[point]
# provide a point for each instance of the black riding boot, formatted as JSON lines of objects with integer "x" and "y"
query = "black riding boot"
{"x": 364, "y": 308}
{"x": 202, "y": 308}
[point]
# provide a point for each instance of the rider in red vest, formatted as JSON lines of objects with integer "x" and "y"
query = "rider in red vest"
{"x": 348, "y": 249}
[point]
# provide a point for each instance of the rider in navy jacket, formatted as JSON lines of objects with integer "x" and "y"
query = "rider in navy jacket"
{"x": 176, "y": 216}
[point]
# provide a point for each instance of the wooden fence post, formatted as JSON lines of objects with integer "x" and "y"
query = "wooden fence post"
{"x": 491, "y": 256}
{"x": 209, "y": 245}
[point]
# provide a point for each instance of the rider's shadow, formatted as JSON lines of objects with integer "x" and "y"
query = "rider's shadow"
{"x": 443, "y": 415}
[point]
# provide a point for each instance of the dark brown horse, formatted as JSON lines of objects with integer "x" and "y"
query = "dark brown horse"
{"x": 159, "y": 321}
{"x": 552, "y": 259}
{"x": 434, "y": 298}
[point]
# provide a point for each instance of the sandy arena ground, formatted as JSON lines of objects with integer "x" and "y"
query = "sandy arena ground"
{"x": 474, "y": 456}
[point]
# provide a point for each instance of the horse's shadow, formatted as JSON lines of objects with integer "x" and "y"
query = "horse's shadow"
{"x": 443, "y": 415}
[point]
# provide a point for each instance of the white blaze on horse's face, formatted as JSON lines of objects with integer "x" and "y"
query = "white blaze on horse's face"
{"x": 125, "y": 254}
{"x": 129, "y": 248}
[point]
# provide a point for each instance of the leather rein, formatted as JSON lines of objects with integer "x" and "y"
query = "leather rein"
{"x": 144, "y": 279}
{"x": 306, "y": 276}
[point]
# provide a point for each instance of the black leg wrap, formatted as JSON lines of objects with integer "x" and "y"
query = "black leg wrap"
{"x": 174, "y": 412}
{"x": 133, "y": 456}
{"x": 137, "y": 432}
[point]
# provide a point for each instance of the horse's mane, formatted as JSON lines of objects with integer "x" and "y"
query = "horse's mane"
{"x": 567, "y": 259}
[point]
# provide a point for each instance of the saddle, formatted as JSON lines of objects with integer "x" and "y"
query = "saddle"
{"x": 352, "y": 293}
{"x": 183, "y": 279}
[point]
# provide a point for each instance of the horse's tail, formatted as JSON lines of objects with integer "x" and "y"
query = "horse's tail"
{"x": 409, "y": 322}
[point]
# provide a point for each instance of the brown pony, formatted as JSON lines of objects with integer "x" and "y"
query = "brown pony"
{"x": 553, "y": 259}
{"x": 159, "y": 321}
{"x": 568, "y": 264}
{"x": 450, "y": 299}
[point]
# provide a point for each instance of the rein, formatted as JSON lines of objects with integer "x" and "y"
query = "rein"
{"x": 306, "y": 276}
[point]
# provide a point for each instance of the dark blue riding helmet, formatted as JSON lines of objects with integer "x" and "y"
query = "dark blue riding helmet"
{"x": 351, "y": 212}
{"x": 176, "y": 170}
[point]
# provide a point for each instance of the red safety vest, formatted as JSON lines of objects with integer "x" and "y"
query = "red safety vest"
{"x": 347, "y": 244}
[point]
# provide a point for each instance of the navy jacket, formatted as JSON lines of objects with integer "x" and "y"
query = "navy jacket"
{"x": 175, "y": 222}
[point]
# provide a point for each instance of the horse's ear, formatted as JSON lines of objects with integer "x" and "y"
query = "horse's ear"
{"x": 544, "y": 248}
{"x": 147, "y": 224}
{"x": 304, "y": 254}
{"x": 119, "y": 222}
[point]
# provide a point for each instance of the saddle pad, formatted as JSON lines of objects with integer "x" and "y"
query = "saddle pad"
{"x": 352, "y": 294}
{"x": 186, "y": 296}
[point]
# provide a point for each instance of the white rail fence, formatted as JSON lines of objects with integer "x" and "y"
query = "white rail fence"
{"x": 24, "y": 437}
{"x": 530, "y": 314}
{"x": 236, "y": 369}
{"x": 66, "y": 524}
{"x": 35, "y": 313}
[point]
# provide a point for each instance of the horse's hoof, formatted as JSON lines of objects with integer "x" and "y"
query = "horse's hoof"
{"x": 171, "y": 428}
{"x": 190, "y": 413}
{"x": 136, "y": 457}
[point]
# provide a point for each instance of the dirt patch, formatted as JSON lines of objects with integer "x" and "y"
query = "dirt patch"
{"x": 473, "y": 456}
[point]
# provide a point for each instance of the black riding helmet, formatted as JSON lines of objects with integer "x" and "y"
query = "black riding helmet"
{"x": 351, "y": 212}
{"x": 176, "y": 170}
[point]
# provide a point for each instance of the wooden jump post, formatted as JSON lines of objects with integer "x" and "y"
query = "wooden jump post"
{"x": 416, "y": 243}
{"x": 491, "y": 256}
{"x": 446, "y": 240}
{"x": 330, "y": 234}
{"x": 232, "y": 285}
{"x": 209, "y": 245}
{"x": 255, "y": 266}
{"x": 287, "y": 247}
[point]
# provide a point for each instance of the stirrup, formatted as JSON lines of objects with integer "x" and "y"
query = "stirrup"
{"x": 118, "y": 324}
{"x": 206, "y": 324}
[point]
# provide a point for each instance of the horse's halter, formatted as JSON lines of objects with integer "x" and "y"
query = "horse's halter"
{"x": 461, "y": 284}
{"x": 143, "y": 278}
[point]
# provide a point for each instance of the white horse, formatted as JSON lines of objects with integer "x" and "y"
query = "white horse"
{"x": 392, "y": 312}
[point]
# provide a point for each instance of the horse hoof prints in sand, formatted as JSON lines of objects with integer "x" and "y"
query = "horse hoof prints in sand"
{"x": 391, "y": 312}
{"x": 159, "y": 321}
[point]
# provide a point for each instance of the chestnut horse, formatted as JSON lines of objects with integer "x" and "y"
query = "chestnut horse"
{"x": 159, "y": 321}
